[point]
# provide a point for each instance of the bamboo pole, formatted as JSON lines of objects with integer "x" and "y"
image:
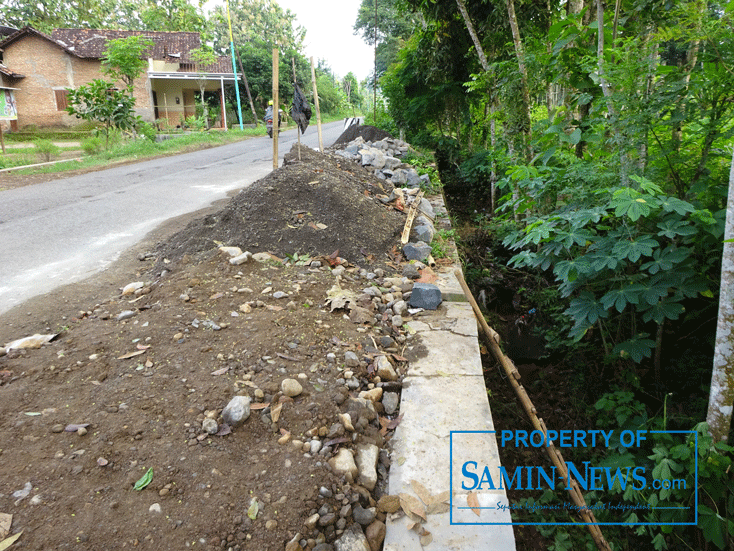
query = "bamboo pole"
{"x": 318, "y": 109}
{"x": 276, "y": 107}
{"x": 2, "y": 140}
{"x": 554, "y": 453}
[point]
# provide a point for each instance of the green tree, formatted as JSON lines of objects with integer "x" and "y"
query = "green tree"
{"x": 256, "y": 19}
{"x": 204, "y": 58}
{"x": 99, "y": 101}
{"x": 124, "y": 58}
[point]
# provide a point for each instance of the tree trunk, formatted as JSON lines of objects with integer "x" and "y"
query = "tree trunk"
{"x": 721, "y": 396}
{"x": 520, "y": 53}
{"x": 473, "y": 34}
{"x": 247, "y": 89}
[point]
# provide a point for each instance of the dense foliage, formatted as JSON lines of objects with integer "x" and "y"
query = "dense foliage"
{"x": 593, "y": 142}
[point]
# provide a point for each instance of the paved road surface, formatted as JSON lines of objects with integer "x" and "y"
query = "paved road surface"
{"x": 63, "y": 231}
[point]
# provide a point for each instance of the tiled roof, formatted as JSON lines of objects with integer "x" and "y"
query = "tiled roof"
{"x": 7, "y": 72}
{"x": 173, "y": 47}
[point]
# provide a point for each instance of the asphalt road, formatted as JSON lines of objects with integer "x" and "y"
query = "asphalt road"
{"x": 63, "y": 231}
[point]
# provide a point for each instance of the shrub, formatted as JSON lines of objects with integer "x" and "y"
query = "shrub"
{"x": 147, "y": 130}
{"x": 46, "y": 149}
{"x": 92, "y": 146}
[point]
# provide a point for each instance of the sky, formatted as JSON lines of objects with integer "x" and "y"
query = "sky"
{"x": 330, "y": 35}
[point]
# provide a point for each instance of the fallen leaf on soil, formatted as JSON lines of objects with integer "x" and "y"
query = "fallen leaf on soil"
{"x": 426, "y": 539}
{"x": 143, "y": 346}
{"x": 289, "y": 358}
{"x": 437, "y": 508}
{"x": 391, "y": 424}
{"x": 261, "y": 405}
{"x": 411, "y": 525}
{"x": 221, "y": 371}
{"x": 427, "y": 276}
{"x": 224, "y": 430}
{"x": 131, "y": 355}
{"x": 253, "y": 509}
{"x": 399, "y": 358}
{"x": 10, "y": 541}
{"x": 473, "y": 501}
{"x": 412, "y": 505}
{"x": 275, "y": 412}
{"x": 146, "y": 479}
{"x": 274, "y": 308}
{"x": 6, "y": 522}
{"x": 74, "y": 428}
{"x": 216, "y": 296}
{"x": 341, "y": 440}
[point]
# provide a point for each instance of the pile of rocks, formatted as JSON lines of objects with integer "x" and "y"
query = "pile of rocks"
{"x": 382, "y": 157}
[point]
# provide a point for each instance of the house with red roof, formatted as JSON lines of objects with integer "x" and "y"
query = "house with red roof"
{"x": 38, "y": 68}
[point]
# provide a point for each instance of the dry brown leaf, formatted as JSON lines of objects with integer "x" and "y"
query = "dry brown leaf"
{"x": 412, "y": 505}
{"x": 262, "y": 405}
{"x": 143, "y": 346}
{"x": 426, "y": 539}
{"x": 221, "y": 371}
{"x": 131, "y": 355}
{"x": 421, "y": 491}
{"x": 411, "y": 525}
{"x": 427, "y": 276}
{"x": 443, "y": 497}
{"x": 274, "y": 308}
{"x": 10, "y": 541}
{"x": 437, "y": 508}
{"x": 473, "y": 501}
{"x": 275, "y": 412}
{"x": 6, "y": 521}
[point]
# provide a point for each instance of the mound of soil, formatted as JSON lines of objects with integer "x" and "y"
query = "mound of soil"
{"x": 368, "y": 133}
{"x": 314, "y": 206}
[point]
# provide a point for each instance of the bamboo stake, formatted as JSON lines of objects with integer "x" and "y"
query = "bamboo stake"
{"x": 318, "y": 109}
{"x": 2, "y": 140}
{"x": 554, "y": 454}
{"x": 276, "y": 107}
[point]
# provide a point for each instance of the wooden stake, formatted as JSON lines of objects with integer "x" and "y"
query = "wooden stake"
{"x": 318, "y": 109}
{"x": 412, "y": 211}
{"x": 276, "y": 106}
{"x": 513, "y": 375}
{"x": 298, "y": 128}
{"x": 2, "y": 140}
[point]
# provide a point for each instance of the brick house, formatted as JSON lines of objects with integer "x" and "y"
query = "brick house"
{"x": 39, "y": 68}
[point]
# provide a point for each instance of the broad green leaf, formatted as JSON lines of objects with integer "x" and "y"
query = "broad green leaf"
{"x": 569, "y": 270}
{"x": 664, "y": 260}
{"x": 619, "y": 298}
{"x": 672, "y": 228}
{"x": 636, "y": 349}
{"x": 629, "y": 202}
{"x": 646, "y": 185}
{"x": 672, "y": 204}
{"x": 586, "y": 308}
{"x": 633, "y": 249}
{"x": 665, "y": 309}
{"x": 654, "y": 291}
{"x": 146, "y": 479}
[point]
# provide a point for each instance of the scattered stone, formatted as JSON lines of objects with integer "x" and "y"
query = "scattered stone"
{"x": 240, "y": 259}
{"x": 425, "y": 295}
{"x": 231, "y": 251}
{"x": 346, "y": 420}
{"x": 261, "y": 257}
{"x": 400, "y": 308}
{"x": 365, "y": 517}
{"x": 353, "y": 539}
{"x": 343, "y": 463}
{"x": 291, "y": 387}
{"x": 57, "y": 428}
{"x": 279, "y": 294}
{"x": 210, "y": 426}
{"x": 127, "y": 314}
{"x": 416, "y": 251}
{"x": 385, "y": 370}
{"x": 375, "y": 534}
{"x": 351, "y": 359}
{"x": 130, "y": 288}
{"x": 237, "y": 411}
{"x": 411, "y": 271}
{"x": 390, "y": 401}
{"x": 367, "y": 455}
{"x": 155, "y": 508}
{"x": 388, "y": 504}
{"x": 373, "y": 395}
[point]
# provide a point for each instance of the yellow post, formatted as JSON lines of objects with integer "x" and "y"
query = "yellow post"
{"x": 276, "y": 107}
{"x": 318, "y": 110}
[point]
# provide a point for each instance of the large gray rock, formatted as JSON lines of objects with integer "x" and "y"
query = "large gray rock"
{"x": 417, "y": 251}
{"x": 399, "y": 177}
{"x": 427, "y": 208}
{"x": 412, "y": 178}
{"x": 423, "y": 232}
{"x": 353, "y": 539}
{"x": 392, "y": 162}
{"x": 425, "y": 296}
{"x": 237, "y": 411}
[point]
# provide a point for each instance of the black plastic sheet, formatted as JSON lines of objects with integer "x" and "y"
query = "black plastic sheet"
{"x": 300, "y": 110}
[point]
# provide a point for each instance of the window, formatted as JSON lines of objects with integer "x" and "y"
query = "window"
{"x": 61, "y": 102}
